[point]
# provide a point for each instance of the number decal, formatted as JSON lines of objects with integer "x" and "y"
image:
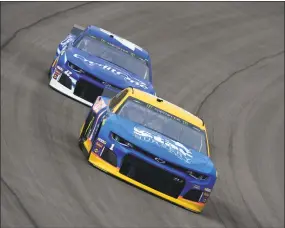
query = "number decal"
{"x": 67, "y": 40}
{"x": 112, "y": 147}
{"x": 68, "y": 73}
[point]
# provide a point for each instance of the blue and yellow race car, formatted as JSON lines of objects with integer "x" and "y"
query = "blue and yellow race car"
{"x": 91, "y": 59}
{"x": 152, "y": 144}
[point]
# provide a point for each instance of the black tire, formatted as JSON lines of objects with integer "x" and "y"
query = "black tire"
{"x": 49, "y": 72}
{"x": 89, "y": 153}
{"x": 85, "y": 132}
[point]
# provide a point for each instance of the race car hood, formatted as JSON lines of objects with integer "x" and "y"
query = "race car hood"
{"x": 160, "y": 145}
{"x": 106, "y": 71}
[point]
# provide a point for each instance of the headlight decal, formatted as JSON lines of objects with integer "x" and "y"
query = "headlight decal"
{"x": 197, "y": 175}
{"x": 122, "y": 141}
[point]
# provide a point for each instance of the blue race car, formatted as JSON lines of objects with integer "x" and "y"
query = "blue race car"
{"x": 152, "y": 144}
{"x": 91, "y": 58}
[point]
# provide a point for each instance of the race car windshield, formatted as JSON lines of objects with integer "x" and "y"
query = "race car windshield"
{"x": 164, "y": 123}
{"x": 113, "y": 55}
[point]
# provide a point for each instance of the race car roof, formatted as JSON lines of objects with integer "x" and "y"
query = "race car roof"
{"x": 117, "y": 41}
{"x": 167, "y": 107}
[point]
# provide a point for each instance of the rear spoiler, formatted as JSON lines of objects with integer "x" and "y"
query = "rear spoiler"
{"x": 76, "y": 30}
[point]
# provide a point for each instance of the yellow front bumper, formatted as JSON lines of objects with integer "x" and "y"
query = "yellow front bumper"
{"x": 95, "y": 160}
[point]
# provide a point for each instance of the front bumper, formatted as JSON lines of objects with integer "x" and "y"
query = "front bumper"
{"x": 98, "y": 162}
{"x": 74, "y": 85}
{"x": 61, "y": 88}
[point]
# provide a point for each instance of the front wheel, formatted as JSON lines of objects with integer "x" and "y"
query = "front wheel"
{"x": 50, "y": 72}
{"x": 87, "y": 127}
{"x": 85, "y": 132}
{"x": 54, "y": 62}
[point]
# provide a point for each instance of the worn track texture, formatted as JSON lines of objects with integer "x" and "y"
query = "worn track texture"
{"x": 222, "y": 60}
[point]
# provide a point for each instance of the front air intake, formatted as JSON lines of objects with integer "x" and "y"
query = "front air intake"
{"x": 193, "y": 195}
{"x": 152, "y": 176}
{"x": 109, "y": 156}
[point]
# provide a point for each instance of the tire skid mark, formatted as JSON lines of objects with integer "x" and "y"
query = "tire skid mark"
{"x": 5, "y": 44}
{"x": 217, "y": 213}
{"x": 72, "y": 190}
{"x": 230, "y": 145}
{"x": 233, "y": 74}
{"x": 22, "y": 206}
{"x": 8, "y": 41}
{"x": 231, "y": 154}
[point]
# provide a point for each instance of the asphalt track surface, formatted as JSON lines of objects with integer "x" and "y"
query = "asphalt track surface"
{"x": 224, "y": 61}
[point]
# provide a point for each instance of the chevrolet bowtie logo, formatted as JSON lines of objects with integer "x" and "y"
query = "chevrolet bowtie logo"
{"x": 159, "y": 160}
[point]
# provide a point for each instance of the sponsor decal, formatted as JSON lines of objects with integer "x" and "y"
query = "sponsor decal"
{"x": 91, "y": 63}
{"x": 55, "y": 62}
{"x": 68, "y": 73}
{"x": 159, "y": 160}
{"x": 99, "y": 145}
{"x": 103, "y": 121}
{"x": 136, "y": 82}
{"x": 95, "y": 129}
{"x": 89, "y": 126}
{"x": 63, "y": 50}
{"x": 106, "y": 84}
{"x": 207, "y": 190}
{"x": 60, "y": 68}
{"x": 196, "y": 187}
{"x": 99, "y": 105}
{"x": 114, "y": 71}
{"x": 68, "y": 39}
{"x": 176, "y": 148}
{"x": 101, "y": 141}
{"x": 177, "y": 179}
{"x": 57, "y": 73}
